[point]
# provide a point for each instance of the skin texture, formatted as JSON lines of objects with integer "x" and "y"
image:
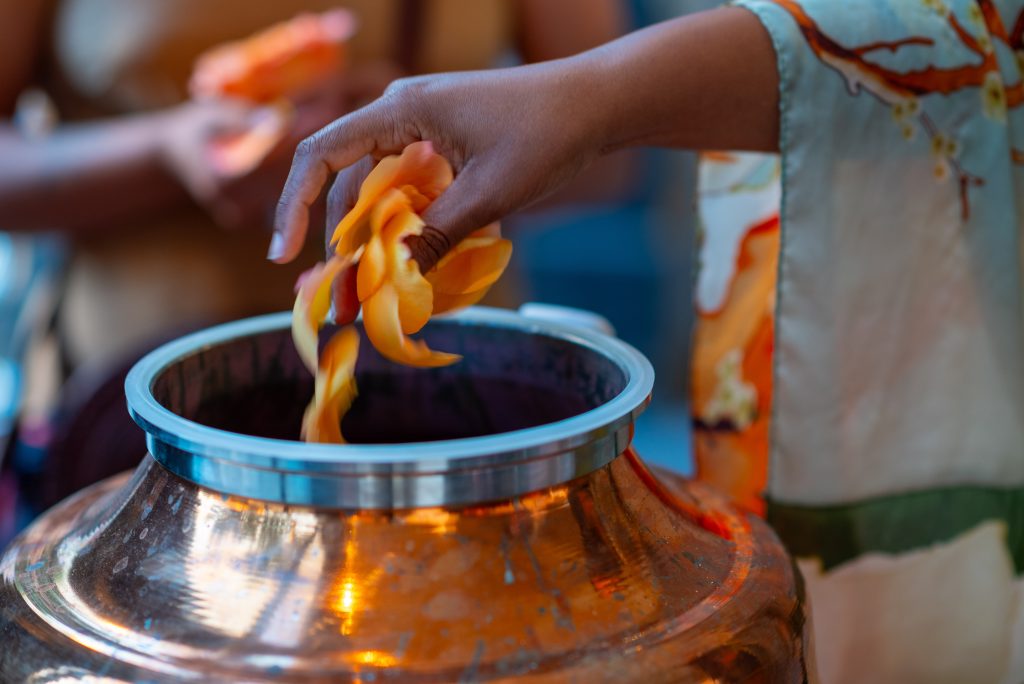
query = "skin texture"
{"x": 92, "y": 176}
{"x": 515, "y": 136}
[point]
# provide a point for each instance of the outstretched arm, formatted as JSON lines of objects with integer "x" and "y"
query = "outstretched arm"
{"x": 513, "y": 136}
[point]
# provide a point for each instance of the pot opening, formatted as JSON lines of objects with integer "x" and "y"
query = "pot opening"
{"x": 509, "y": 379}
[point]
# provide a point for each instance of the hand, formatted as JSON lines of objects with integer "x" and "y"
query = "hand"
{"x": 187, "y": 135}
{"x": 237, "y": 189}
{"x": 512, "y": 137}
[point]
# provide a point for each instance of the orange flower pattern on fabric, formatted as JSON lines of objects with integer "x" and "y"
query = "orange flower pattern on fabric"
{"x": 397, "y": 299}
{"x": 731, "y": 378}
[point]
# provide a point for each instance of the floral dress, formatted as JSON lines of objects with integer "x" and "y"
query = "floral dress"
{"x": 859, "y": 368}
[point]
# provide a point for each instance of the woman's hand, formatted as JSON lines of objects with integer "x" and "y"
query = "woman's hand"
{"x": 512, "y": 137}
{"x": 706, "y": 80}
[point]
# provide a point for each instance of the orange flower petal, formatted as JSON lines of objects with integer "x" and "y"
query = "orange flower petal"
{"x": 335, "y": 388}
{"x": 418, "y": 166}
{"x": 239, "y": 154}
{"x": 473, "y": 264}
{"x": 285, "y": 60}
{"x": 372, "y": 268}
{"x": 444, "y": 303}
{"x": 311, "y": 307}
{"x": 375, "y": 264}
{"x": 338, "y": 362}
{"x": 383, "y": 326}
{"x": 415, "y": 295}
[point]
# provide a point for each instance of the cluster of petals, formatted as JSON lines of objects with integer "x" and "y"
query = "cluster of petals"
{"x": 397, "y": 299}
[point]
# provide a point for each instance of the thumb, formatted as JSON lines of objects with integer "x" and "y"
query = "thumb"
{"x": 463, "y": 208}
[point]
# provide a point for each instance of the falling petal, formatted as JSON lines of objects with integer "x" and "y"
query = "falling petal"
{"x": 335, "y": 388}
{"x": 311, "y": 307}
{"x": 383, "y": 327}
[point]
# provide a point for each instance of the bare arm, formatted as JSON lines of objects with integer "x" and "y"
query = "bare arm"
{"x": 706, "y": 81}
{"x": 90, "y": 175}
{"x": 554, "y": 30}
{"x": 515, "y": 136}
{"x": 83, "y": 176}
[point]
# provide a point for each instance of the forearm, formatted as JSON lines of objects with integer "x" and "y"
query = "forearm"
{"x": 84, "y": 176}
{"x": 515, "y": 136}
{"x": 704, "y": 81}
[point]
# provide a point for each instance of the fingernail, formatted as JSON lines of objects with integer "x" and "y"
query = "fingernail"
{"x": 277, "y": 246}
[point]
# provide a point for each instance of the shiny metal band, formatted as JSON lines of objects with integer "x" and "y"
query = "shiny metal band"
{"x": 385, "y": 476}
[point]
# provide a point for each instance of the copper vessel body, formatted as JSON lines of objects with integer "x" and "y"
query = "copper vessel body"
{"x": 591, "y": 569}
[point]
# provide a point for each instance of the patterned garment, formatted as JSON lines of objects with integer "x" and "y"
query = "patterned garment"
{"x": 871, "y": 402}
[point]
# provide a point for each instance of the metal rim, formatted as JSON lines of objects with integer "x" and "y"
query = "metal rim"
{"x": 226, "y": 461}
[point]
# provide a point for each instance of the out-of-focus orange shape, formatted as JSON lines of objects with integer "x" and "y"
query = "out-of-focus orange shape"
{"x": 241, "y": 153}
{"x": 274, "y": 66}
{"x": 285, "y": 60}
{"x": 334, "y": 390}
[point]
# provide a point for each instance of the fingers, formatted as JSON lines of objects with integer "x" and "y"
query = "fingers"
{"x": 330, "y": 149}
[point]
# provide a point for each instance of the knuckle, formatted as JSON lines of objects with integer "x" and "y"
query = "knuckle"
{"x": 407, "y": 94}
{"x": 284, "y": 203}
{"x": 308, "y": 148}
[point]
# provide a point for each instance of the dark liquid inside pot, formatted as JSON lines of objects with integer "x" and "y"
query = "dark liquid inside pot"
{"x": 388, "y": 412}
{"x": 507, "y": 380}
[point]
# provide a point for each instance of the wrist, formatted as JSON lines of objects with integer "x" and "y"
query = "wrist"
{"x": 582, "y": 99}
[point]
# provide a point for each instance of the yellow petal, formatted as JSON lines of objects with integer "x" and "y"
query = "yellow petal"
{"x": 473, "y": 264}
{"x": 383, "y": 327}
{"x": 418, "y": 166}
{"x": 372, "y": 268}
{"x": 415, "y": 296}
{"x": 444, "y": 303}
{"x": 373, "y": 264}
{"x": 335, "y": 388}
{"x": 311, "y": 307}
{"x": 338, "y": 362}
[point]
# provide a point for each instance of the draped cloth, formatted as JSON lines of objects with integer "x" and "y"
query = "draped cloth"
{"x": 859, "y": 369}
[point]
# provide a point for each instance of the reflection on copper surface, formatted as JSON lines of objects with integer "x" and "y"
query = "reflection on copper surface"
{"x": 438, "y": 520}
{"x": 611, "y": 577}
{"x": 351, "y": 589}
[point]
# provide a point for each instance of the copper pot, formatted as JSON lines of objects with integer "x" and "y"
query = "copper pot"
{"x": 492, "y": 523}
